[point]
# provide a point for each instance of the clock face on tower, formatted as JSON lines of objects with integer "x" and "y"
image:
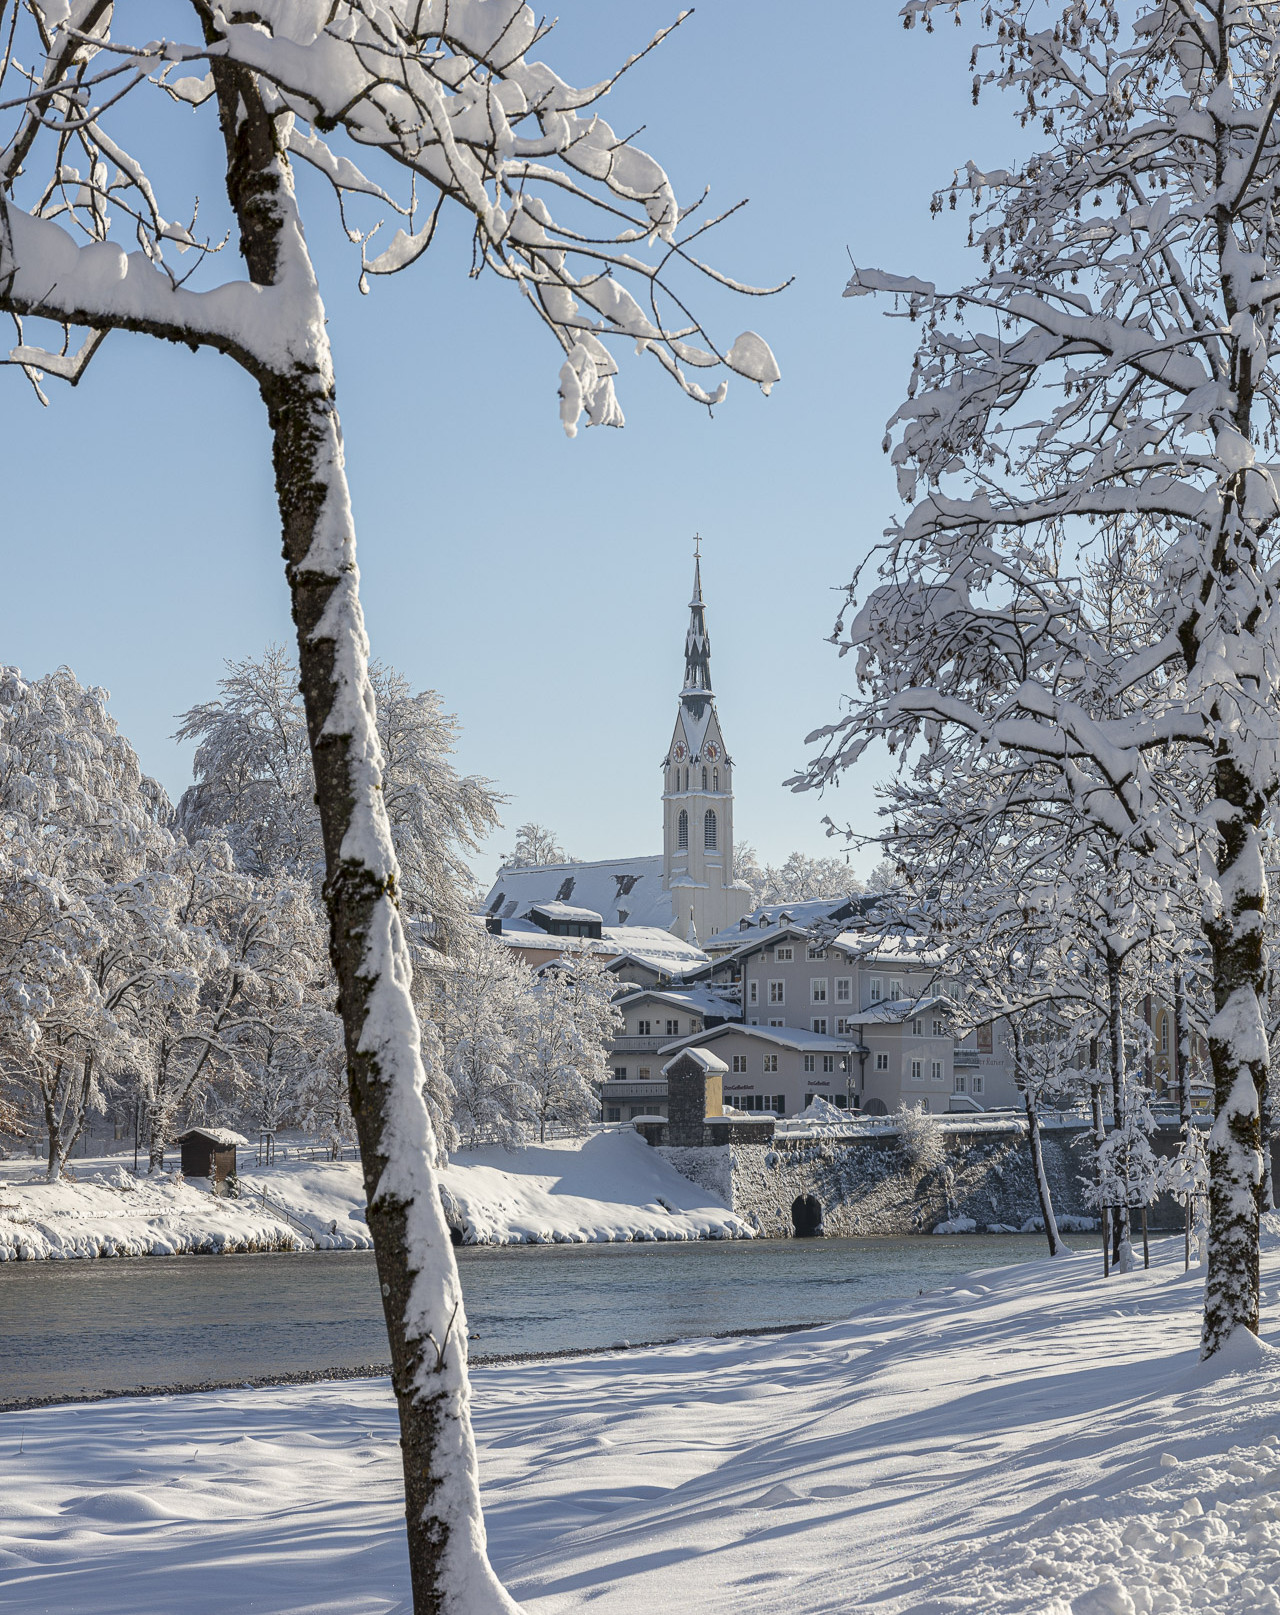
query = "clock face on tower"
{"x": 681, "y": 752}
{"x": 713, "y": 752}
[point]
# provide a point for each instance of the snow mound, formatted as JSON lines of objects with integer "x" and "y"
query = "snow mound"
{"x": 604, "y": 1188}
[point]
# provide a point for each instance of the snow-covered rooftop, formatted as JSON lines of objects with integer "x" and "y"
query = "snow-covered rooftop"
{"x": 787, "y": 1037}
{"x": 222, "y": 1136}
{"x": 892, "y": 1010}
{"x": 568, "y": 911}
{"x": 773, "y": 916}
{"x": 696, "y": 1000}
{"x": 700, "y": 1056}
{"x": 623, "y": 891}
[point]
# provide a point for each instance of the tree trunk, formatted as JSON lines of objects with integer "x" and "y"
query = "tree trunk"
{"x": 422, "y": 1300}
{"x": 1238, "y": 1054}
{"x": 1122, "y": 1248}
{"x": 1056, "y": 1247}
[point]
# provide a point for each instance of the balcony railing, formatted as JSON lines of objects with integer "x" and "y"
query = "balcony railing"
{"x": 634, "y": 1090}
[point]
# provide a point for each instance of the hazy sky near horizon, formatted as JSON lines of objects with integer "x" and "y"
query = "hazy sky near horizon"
{"x": 541, "y": 584}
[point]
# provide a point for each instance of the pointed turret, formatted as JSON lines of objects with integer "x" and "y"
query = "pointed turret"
{"x": 697, "y": 651}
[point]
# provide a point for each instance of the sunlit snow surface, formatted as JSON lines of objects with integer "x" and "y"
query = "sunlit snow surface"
{"x": 1036, "y": 1439}
{"x": 604, "y": 1187}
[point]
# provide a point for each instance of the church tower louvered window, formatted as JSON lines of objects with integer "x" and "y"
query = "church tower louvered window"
{"x": 682, "y": 831}
{"x": 709, "y": 831}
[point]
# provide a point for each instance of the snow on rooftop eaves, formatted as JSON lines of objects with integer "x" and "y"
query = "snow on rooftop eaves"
{"x": 700, "y": 1056}
{"x": 787, "y": 1037}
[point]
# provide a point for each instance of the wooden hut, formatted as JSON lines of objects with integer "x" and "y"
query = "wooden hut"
{"x": 209, "y": 1152}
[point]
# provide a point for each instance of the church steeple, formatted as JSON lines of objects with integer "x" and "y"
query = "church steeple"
{"x": 697, "y": 795}
{"x": 697, "y": 648}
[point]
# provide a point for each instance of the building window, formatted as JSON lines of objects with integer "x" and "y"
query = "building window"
{"x": 644, "y": 1028}
{"x": 819, "y": 1024}
{"x": 753, "y": 992}
{"x": 784, "y": 956}
{"x": 715, "y": 779}
{"x": 815, "y": 952}
{"x": 935, "y": 1070}
{"x": 770, "y": 1062}
{"x": 984, "y": 1038}
{"x": 673, "y": 1028}
{"x": 882, "y": 1062}
{"x": 644, "y": 1073}
{"x": 917, "y": 1070}
{"x": 917, "y": 1027}
{"x": 895, "y": 988}
{"x": 977, "y": 1085}
{"x": 682, "y": 831}
{"x": 828, "y": 1063}
{"x": 704, "y": 779}
{"x": 844, "y": 1027}
{"x": 810, "y": 1062}
{"x": 1164, "y": 1034}
{"x": 817, "y": 989}
{"x": 777, "y": 992}
{"x": 939, "y": 1028}
{"x": 709, "y": 831}
{"x": 740, "y": 1063}
{"x": 776, "y": 1021}
{"x": 877, "y": 989}
{"x": 957, "y": 1085}
{"x": 844, "y": 989}
{"x": 619, "y": 1073}
{"x": 695, "y": 1026}
{"x": 613, "y": 1113}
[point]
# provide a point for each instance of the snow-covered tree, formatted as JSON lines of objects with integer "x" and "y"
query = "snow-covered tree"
{"x": 254, "y": 784}
{"x": 1109, "y": 372}
{"x": 480, "y": 1008}
{"x": 568, "y": 1024}
{"x": 78, "y": 822}
{"x": 535, "y": 844}
{"x": 798, "y": 879}
{"x": 447, "y": 102}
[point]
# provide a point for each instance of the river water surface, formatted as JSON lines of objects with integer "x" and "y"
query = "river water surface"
{"x": 71, "y": 1328}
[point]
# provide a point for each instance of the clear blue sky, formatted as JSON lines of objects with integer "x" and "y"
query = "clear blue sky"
{"x": 540, "y": 584}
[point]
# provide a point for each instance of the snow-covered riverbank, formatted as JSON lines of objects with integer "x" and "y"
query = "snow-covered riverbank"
{"x": 1034, "y": 1441}
{"x": 608, "y": 1186}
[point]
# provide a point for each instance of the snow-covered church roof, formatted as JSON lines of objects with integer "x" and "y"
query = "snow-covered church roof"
{"x": 622, "y": 891}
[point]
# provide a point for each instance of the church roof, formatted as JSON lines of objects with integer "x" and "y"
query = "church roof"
{"x": 622, "y": 891}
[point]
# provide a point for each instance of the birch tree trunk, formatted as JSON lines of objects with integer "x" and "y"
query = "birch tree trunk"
{"x": 422, "y": 1301}
{"x": 1239, "y": 1055}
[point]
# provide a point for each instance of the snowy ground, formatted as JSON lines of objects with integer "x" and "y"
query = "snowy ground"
{"x": 1034, "y": 1440}
{"x": 607, "y": 1186}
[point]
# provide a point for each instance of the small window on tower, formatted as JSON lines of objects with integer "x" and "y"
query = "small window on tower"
{"x": 682, "y": 831}
{"x": 704, "y": 779}
{"x": 715, "y": 779}
{"x": 709, "y": 831}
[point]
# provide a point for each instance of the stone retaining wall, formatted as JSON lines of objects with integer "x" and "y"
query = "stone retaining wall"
{"x": 868, "y": 1185}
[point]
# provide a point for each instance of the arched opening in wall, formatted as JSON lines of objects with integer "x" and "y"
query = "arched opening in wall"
{"x": 875, "y": 1107}
{"x": 715, "y": 779}
{"x": 709, "y": 831}
{"x": 704, "y": 779}
{"x": 806, "y": 1217}
{"x": 682, "y": 831}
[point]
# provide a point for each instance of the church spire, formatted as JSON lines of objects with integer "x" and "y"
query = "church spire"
{"x": 697, "y": 645}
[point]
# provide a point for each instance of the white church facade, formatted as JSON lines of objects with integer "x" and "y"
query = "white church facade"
{"x": 688, "y": 890}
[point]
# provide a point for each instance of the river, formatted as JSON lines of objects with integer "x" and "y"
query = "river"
{"x": 76, "y": 1328}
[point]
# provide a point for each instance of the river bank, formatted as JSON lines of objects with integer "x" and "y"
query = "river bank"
{"x": 605, "y": 1188}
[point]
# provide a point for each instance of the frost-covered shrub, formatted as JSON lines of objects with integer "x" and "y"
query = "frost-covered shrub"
{"x": 920, "y": 1138}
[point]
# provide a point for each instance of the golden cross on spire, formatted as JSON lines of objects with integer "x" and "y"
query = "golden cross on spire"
{"x": 697, "y": 552}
